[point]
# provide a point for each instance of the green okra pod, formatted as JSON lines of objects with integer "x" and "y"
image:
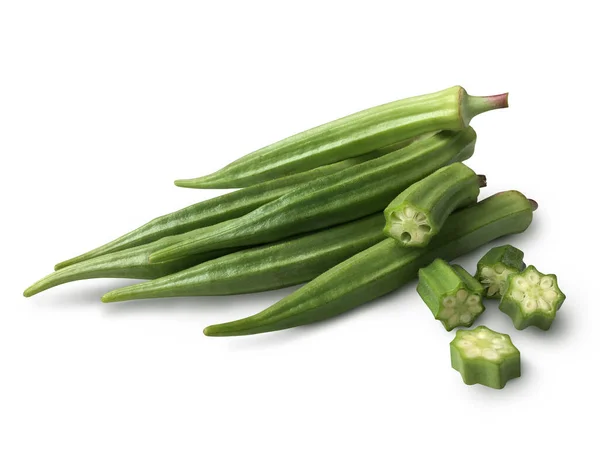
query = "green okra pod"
{"x": 385, "y": 267}
{"x": 532, "y": 298}
{"x": 219, "y": 209}
{"x": 347, "y": 195}
{"x": 129, "y": 263}
{"x": 419, "y": 212}
{"x": 273, "y": 266}
{"x": 450, "y": 109}
{"x": 451, "y": 293}
{"x": 494, "y": 268}
{"x": 486, "y": 357}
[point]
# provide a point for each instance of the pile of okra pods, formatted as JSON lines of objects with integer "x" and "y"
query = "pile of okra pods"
{"x": 354, "y": 208}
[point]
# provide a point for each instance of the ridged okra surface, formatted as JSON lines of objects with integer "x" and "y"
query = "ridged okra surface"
{"x": 483, "y": 356}
{"x": 451, "y": 293}
{"x": 532, "y": 299}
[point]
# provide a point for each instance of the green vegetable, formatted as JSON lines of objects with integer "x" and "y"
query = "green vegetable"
{"x": 274, "y": 266}
{"x": 451, "y": 293}
{"x": 532, "y": 298}
{"x": 385, "y": 267}
{"x": 128, "y": 263}
{"x": 419, "y": 212}
{"x": 347, "y": 195}
{"x": 486, "y": 357}
{"x": 220, "y": 209}
{"x": 494, "y": 268}
{"x": 450, "y": 109}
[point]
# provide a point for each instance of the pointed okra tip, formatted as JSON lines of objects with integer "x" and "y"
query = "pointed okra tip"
{"x": 483, "y": 356}
{"x": 532, "y": 299}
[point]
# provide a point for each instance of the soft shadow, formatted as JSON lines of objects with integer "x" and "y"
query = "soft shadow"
{"x": 77, "y": 296}
{"x": 293, "y": 334}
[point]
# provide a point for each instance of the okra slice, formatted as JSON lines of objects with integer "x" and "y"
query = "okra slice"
{"x": 418, "y": 213}
{"x": 485, "y": 357}
{"x": 494, "y": 268}
{"x": 451, "y": 293}
{"x": 532, "y": 298}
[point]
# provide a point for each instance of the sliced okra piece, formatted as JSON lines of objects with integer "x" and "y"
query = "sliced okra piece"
{"x": 494, "y": 268}
{"x": 532, "y": 298}
{"x": 418, "y": 213}
{"x": 451, "y": 293}
{"x": 485, "y": 357}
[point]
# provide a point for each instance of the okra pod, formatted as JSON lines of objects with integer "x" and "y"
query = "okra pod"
{"x": 386, "y": 266}
{"x": 128, "y": 263}
{"x": 274, "y": 266}
{"x": 219, "y": 209}
{"x": 486, "y": 357}
{"x": 419, "y": 212}
{"x": 532, "y": 298}
{"x": 359, "y": 133}
{"x": 350, "y": 194}
{"x": 451, "y": 293}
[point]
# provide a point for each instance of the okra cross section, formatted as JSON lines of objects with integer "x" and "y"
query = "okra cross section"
{"x": 532, "y": 298}
{"x": 419, "y": 212}
{"x": 494, "y": 268}
{"x": 451, "y": 293}
{"x": 485, "y": 357}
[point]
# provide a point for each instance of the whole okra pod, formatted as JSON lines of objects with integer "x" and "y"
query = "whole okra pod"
{"x": 359, "y": 133}
{"x": 386, "y": 266}
{"x": 347, "y": 195}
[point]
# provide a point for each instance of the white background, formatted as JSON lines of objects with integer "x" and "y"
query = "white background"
{"x": 104, "y": 104}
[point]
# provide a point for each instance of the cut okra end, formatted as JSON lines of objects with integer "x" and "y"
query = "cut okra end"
{"x": 483, "y": 356}
{"x": 409, "y": 226}
{"x": 494, "y": 268}
{"x": 532, "y": 299}
{"x": 451, "y": 293}
{"x": 460, "y": 309}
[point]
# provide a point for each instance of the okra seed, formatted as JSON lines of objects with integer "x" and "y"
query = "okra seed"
{"x": 499, "y": 269}
{"x": 420, "y": 217}
{"x": 487, "y": 272}
{"x": 472, "y": 352}
{"x": 398, "y": 216}
{"x": 530, "y": 305}
{"x": 449, "y": 302}
{"x": 424, "y": 228}
{"x": 489, "y": 353}
{"x": 550, "y": 295}
{"x": 409, "y": 212}
{"x": 462, "y": 295}
{"x": 534, "y": 278}
{"x": 546, "y": 282}
{"x": 473, "y": 300}
{"x": 466, "y": 317}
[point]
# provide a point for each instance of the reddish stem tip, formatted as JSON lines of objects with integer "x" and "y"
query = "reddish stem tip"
{"x": 534, "y": 204}
{"x": 499, "y": 101}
